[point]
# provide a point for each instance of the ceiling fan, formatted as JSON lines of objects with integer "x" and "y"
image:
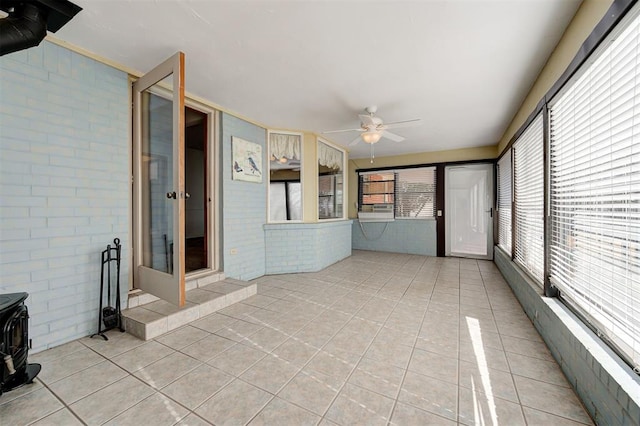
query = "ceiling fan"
{"x": 373, "y": 128}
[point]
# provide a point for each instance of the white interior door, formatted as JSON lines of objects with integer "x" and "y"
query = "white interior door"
{"x": 469, "y": 211}
{"x": 159, "y": 193}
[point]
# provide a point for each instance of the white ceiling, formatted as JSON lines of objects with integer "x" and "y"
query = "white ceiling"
{"x": 463, "y": 66}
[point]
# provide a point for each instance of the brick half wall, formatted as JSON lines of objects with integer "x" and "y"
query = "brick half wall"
{"x": 606, "y": 386}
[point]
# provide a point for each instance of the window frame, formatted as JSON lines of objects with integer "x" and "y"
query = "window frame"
{"x": 361, "y": 192}
{"x": 301, "y": 180}
{"x": 397, "y": 198}
{"x": 523, "y": 251}
{"x": 396, "y": 172}
{"x": 344, "y": 180}
{"x": 505, "y": 220}
{"x": 593, "y": 296}
{"x": 598, "y": 39}
{"x": 508, "y": 211}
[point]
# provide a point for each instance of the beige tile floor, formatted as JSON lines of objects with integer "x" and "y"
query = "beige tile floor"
{"x": 375, "y": 339}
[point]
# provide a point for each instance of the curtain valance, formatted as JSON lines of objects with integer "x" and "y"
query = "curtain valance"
{"x": 329, "y": 157}
{"x": 283, "y": 145}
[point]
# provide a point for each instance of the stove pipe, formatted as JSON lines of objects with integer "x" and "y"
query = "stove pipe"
{"x": 28, "y": 21}
{"x": 25, "y": 27}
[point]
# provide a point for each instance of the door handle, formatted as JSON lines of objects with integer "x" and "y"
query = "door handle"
{"x": 187, "y": 195}
{"x": 490, "y": 211}
{"x": 171, "y": 195}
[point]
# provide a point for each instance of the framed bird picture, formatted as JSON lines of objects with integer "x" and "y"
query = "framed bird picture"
{"x": 246, "y": 160}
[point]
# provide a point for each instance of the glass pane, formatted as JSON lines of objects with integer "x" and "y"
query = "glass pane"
{"x": 294, "y": 200}
{"x": 330, "y": 181}
{"x": 277, "y": 201}
{"x": 339, "y": 195}
{"x": 415, "y": 193}
{"x": 378, "y": 187}
{"x": 195, "y": 180}
{"x": 157, "y": 178}
{"x": 528, "y": 189}
{"x": 285, "y": 165}
{"x": 326, "y": 202}
{"x": 378, "y": 199}
{"x": 504, "y": 202}
{"x": 468, "y": 196}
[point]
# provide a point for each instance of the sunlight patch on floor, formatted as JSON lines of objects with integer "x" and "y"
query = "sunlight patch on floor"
{"x": 476, "y": 338}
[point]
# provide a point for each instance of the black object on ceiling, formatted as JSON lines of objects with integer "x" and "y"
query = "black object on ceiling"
{"x": 28, "y": 21}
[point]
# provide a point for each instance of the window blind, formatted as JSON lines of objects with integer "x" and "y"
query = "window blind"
{"x": 416, "y": 193}
{"x": 504, "y": 202}
{"x": 528, "y": 159}
{"x": 595, "y": 190}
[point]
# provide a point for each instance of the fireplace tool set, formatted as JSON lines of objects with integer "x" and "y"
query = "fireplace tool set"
{"x": 109, "y": 316}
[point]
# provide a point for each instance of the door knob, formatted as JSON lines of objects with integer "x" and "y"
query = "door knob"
{"x": 187, "y": 195}
{"x": 171, "y": 195}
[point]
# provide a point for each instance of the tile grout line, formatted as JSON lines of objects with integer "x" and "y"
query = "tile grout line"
{"x": 513, "y": 382}
{"x": 406, "y": 369}
{"x": 404, "y": 374}
{"x": 357, "y": 362}
{"x": 328, "y": 307}
{"x": 360, "y": 291}
{"x": 130, "y": 374}
{"x": 269, "y": 353}
{"x": 64, "y": 406}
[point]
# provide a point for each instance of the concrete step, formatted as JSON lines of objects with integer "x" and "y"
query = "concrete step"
{"x": 150, "y": 320}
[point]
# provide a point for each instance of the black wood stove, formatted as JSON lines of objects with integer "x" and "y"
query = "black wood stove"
{"x": 14, "y": 343}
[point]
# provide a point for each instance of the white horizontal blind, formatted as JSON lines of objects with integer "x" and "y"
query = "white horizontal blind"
{"x": 504, "y": 202}
{"x": 416, "y": 193}
{"x": 595, "y": 190}
{"x": 528, "y": 169}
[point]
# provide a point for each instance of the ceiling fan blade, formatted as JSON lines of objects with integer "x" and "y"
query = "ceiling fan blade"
{"x": 392, "y": 136}
{"x": 355, "y": 141}
{"x": 341, "y": 131}
{"x": 404, "y": 123}
{"x": 367, "y": 120}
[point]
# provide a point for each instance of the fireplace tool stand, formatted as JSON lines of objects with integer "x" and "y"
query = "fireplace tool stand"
{"x": 110, "y": 317}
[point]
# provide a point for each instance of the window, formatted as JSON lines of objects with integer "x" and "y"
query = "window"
{"x": 285, "y": 201}
{"x": 416, "y": 193}
{"x": 595, "y": 190}
{"x": 528, "y": 161}
{"x": 285, "y": 195}
{"x": 410, "y": 193}
{"x": 330, "y": 182}
{"x": 504, "y": 202}
{"x": 377, "y": 189}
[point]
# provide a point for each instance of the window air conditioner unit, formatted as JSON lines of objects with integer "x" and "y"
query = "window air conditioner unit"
{"x": 378, "y": 213}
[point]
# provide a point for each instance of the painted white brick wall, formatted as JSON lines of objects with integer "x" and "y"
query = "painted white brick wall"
{"x": 302, "y": 247}
{"x": 64, "y": 180}
{"x": 334, "y": 242}
{"x": 245, "y": 206}
{"x": 413, "y": 236}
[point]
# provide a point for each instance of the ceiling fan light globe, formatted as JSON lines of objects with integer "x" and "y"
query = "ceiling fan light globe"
{"x": 283, "y": 160}
{"x": 371, "y": 137}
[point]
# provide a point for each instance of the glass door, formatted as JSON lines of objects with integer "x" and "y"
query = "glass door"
{"x": 469, "y": 211}
{"x": 159, "y": 187}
